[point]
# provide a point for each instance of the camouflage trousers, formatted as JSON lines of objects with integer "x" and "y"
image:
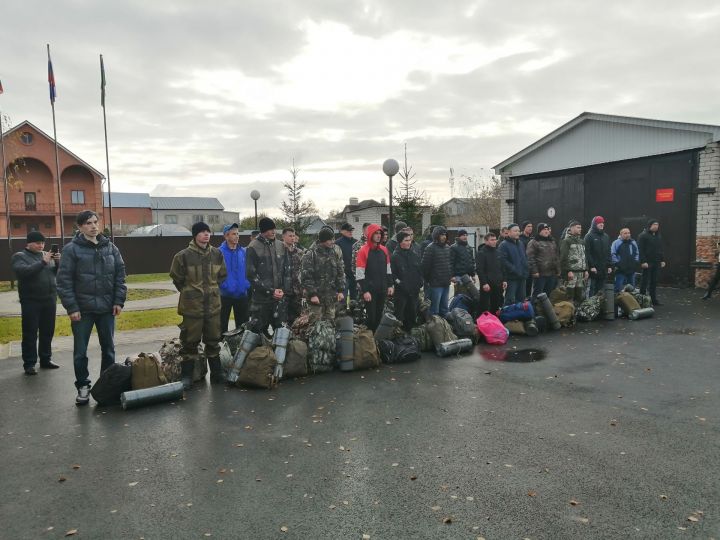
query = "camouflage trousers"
{"x": 196, "y": 329}
{"x": 324, "y": 310}
{"x": 576, "y": 287}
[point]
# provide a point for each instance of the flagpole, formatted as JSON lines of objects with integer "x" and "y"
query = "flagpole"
{"x": 107, "y": 154}
{"x": 51, "y": 81}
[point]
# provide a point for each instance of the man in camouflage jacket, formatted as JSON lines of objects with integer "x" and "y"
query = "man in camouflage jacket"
{"x": 323, "y": 277}
{"x": 573, "y": 262}
{"x": 197, "y": 272}
{"x": 290, "y": 255}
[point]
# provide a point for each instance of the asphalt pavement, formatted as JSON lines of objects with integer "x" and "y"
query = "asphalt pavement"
{"x": 614, "y": 434}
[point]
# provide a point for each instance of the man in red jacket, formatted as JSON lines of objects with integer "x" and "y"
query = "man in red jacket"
{"x": 374, "y": 275}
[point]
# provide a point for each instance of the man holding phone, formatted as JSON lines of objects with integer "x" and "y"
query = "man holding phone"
{"x": 35, "y": 270}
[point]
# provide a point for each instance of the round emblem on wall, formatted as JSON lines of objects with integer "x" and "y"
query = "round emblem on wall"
{"x": 551, "y": 212}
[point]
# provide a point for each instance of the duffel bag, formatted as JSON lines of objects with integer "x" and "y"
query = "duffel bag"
{"x": 146, "y": 371}
{"x": 463, "y": 325}
{"x": 423, "y": 337}
{"x": 295, "y": 360}
{"x": 591, "y": 308}
{"x": 440, "y": 331}
{"x": 559, "y": 295}
{"x": 171, "y": 359}
{"x": 522, "y": 311}
{"x": 492, "y": 329}
{"x": 462, "y": 301}
{"x": 565, "y": 312}
{"x": 627, "y": 302}
{"x": 321, "y": 347}
{"x": 258, "y": 369}
{"x": 399, "y": 350}
{"x": 516, "y": 328}
{"x": 112, "y": 382}
{"x": 365, "y": 350}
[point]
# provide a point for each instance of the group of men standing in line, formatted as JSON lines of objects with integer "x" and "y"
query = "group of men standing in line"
{"x": 266, "y": 284}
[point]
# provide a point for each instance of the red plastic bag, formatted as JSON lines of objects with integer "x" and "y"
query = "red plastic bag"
{"x": 492, "y": 329}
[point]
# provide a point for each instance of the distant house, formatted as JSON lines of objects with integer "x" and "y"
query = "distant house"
{"x": 313, "y": 224}
{"x": 457, "y": 206}
{"x": 371, "y": 211}
{"x": 129, "y": 211}
{"x": 188, "y": 210}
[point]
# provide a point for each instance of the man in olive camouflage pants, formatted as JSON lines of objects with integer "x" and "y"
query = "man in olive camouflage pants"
{"x": 323, "y": 277}
{"x": 573, "y": 262}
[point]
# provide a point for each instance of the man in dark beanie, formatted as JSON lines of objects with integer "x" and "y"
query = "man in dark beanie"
{"x": 597, "y": 251}
{"x": 652, "y": 259}
{"x": 393, "y": 242}
{"x": 35, "y": 270}
{"x": 408, "y": 280}
{"x": 264, "y": 271}
{"x": 345, "y": 243}
{"x": 197, "y": 272}
{"x": 322, "y": 276}
{"x": 526, "y": 234}
{"x": 543, "y": 258}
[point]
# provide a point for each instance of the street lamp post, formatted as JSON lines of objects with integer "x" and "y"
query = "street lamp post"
{"x": 255, "y": 195}
{"x": 390, "y": 168}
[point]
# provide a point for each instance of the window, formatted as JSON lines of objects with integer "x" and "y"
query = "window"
{"x": 214, "y": 218}
{"x": 26, "y": 137}
{"x": 197, "y": 217}
{"x": 30, "y": 201}
{"x": 171, "y": 219}
{"x": 78, "y": 197}
{"x": 356, "y": 219}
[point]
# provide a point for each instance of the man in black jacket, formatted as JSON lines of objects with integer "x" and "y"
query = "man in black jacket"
{"x": 35, "y": 270}
{"x": 437, "y": 271}
{"x": 407, "y": 275}
{"x": 374, "y": 275}
{"x": 346, "y": 242}
{"x": 91, "y": 285}
{"x": 491, "y": 275}
{"x": 651, "y": 259}
{"x": 597, "y": 252}
{"x": 461, "y": 256}
{"x": 264, "y": 272}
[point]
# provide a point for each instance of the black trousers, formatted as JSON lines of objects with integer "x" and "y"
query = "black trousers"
{"x": 374, "y": 309}
{"x": 238, "y": 306}
{"x": 491, "y": 300}
{"x": 264, "y": 314}
{"x": 715, "y": 279}
{"x": 38, "y": 325}
{"x": 406, "y": 308}
{"x": 648, "y": 283}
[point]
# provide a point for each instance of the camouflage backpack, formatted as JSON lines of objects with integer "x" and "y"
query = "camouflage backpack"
{"x": 321, "y": 347}
{"x": 591, "y": 308}
{"x": 171, "y": 360}
{"x": 422, "y": 336}
{"x": 301, "y": 326}
{"x": 643, "y": 299}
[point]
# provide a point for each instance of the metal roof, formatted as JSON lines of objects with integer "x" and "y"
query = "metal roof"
{"x": 127, "y": 200}
{"x": 163, "y": 229}
{"x": 186, "y": 203}
{"x": 592, "y": 138}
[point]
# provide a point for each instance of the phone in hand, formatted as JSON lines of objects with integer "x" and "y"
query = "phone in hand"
{"x": 54, "y": 249}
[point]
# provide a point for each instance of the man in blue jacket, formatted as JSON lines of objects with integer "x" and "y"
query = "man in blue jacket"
{"x": 515, "y": 265}
{"x": 234, "y": 290}
{"x": 91, "y": 285}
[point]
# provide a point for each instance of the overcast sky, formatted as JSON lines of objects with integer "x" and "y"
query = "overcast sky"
{"x": 216, "y": 98}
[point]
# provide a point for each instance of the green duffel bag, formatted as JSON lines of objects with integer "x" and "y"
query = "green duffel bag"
{"x": 365, "y": 351}
{"x": 295, "y": 360}
{"x": 258, "y": 371}
{"x": 627, "y": 302}
{"x": 440, "y": 331}
{"x": 422, "y": 336}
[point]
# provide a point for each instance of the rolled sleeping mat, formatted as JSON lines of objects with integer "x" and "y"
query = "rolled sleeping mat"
{"x": 609, "y": 303}
{"x": 455, "y": 347}
{"x": 249, "y": 341}
{"x": 547, "y": 308}
{"x": 346, "y": 349}
{"x": 469, "y": 284}
{"x": 281, "y": 338}
{"x": 132, "y": 399}
{"x": 387, "y": 325}
{"x": 642, "y": 313}
{"x": 531, "y": 329}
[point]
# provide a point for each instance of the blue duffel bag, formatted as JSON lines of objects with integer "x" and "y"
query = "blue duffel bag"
{"x": 522, "y": 311}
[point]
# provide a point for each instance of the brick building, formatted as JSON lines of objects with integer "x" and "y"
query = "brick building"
{"x": 129, "y": 211}
{"x": 32, "y": 184}
{"x": 628, "y": 170}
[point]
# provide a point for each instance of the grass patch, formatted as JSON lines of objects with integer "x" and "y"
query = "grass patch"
{"x": 5, "y": 286}
{"x": 144, "y": 294}
{"x": 147, "y": 278}
{"x": 11, "y": 329}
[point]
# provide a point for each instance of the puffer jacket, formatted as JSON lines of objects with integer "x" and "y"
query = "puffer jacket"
{"x": 572, "y": 255}
{"x": 91, "y": 277}
{"x": 263, "y": 269}
{"x": 322, "y": 273}
{"x": 407, "y": 272}
{"x": 373, "y": 272}
{"x": 197, "y": 273}
{"x": 236, "y": 285}
{"x": 597, "y": 248}
{"x": 514, "y": 259}
{"x": 437, "y": 271}
{"x": 543, "y": 256}
{"x": 651, "y": 248}
{"x": 461, "y": 259}
{"x": 36, "y": 280}
{"x": 489, "y": 266}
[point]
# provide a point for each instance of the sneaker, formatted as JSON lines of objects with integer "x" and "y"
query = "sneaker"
{"x": 30, "y": 370}
{"x": 83, "y": 397}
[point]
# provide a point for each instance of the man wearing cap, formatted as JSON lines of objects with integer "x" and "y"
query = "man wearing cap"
{"x": 323, "y": 277}
{"x": 234, "y": 290}
{"x": 573, "y": 262}
{"x": 35, "y": 270}
{"x": 393, "y": 242}
{"x": 290, "y": 255}
{"x": 515, "y": 265}
{"x": 264, "y": 271}
{"x": 652, "y": 259}
{"x": 91, "y": 286}
{"x": 345, "y": 242}
{"x": 543, "y": 261}
{"x": 197, "y": 272}
{"x": 597, "y": 251}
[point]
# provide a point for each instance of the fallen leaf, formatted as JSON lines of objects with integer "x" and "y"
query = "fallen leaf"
{"x": 283, "y": 529}
{"x": 365, "y": 537}
{"x": 220, "y": 481}
{"x": 413, "y": 477}
{"x": 76, "y": 467}
{"x": 664, "y": 497}
{"x": 573, "y": 502}
{"x": 693, "y": 519}
{"x": 332, "y": 507}
{"x": 62, "y": 479}
{"x": 469, "y": 498}
{"x": 132, "y": 484}
{"x": 447, "y": 520}
{"x": 532, "y": 493}
{"x": 71, "y": 532}
{"x": 435, "y": 508}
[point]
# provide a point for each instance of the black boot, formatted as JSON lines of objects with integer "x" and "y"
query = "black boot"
{"x": 186, "y": 374}
{"x": 707, "y": 295}
{"x": 216, "y": 371}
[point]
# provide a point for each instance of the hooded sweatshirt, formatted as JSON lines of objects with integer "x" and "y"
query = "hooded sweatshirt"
{"x": 373, "y": 272}
{"x": 650, "y": 244}
{"x": 597, "y": 248}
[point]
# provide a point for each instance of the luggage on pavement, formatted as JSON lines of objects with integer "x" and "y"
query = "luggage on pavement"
{"x": 565, "y": 312}
{"x": 591, "y": 308}
{"x": 559, "y": 295}
{"x": 258, "y": 370}
{"x": 440, "y": 331}
{"x": 642, "y": 313}
{"x": 171, "y": 360}
{"x": 345, "y": 349}
{"x": 516, "y": 328}
{"x": 112, "y": 382}
{"x": 295, "y": 360}
{"x": 492, "y": 329}
{"x": 423, "y": 338}
{"x": 627, "y": 302}
{"x": 399, "y": 350}
{"x": 522, "y": 311}
{"x": 549, "y": 311}
{"x": 365, "y": 350}
{"x": 387, "y": 327}
{"x": 462, "y": 301}
{"x": 146, "y": 371}
{"x": 149, "y": 396}
{"x": 456, "y": 347}
{"x": 321, "y": 347}
{"x": 462, "y": 324}
{"x": 248, "y": 342}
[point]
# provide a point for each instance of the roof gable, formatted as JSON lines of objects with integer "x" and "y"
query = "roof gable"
{"x": 591, "y": 139}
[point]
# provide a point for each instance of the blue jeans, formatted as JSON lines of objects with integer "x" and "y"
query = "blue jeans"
{"x": 105, "y": 324}
{"x": 438, "y": 300}
{"x": 623, "y": 279}
{"x": 544, "y": 284}
{"x": 515, "y": 291}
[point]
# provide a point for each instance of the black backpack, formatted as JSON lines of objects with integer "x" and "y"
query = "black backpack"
{"x": 112, "y": 382}
{"x": 399, "y": 350}
{"x": 462, "y": 323}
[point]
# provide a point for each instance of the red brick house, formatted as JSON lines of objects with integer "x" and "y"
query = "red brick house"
{"x": 32, "y": 184}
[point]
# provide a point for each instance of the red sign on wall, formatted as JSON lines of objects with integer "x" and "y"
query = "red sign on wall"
{"x": 665, "y": 195}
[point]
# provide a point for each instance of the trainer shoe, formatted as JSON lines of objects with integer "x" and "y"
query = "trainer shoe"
{"x": 49, "y": 365}
{"x": 83, "y": 397}
{"x": 30, "y": 370}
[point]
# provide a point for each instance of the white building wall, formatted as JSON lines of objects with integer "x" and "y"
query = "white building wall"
{"x": 507, "y": 191}
{"x": 708, "y": 210}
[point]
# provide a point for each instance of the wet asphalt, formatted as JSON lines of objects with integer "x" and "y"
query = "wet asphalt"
{"x": 614, "y": 434}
